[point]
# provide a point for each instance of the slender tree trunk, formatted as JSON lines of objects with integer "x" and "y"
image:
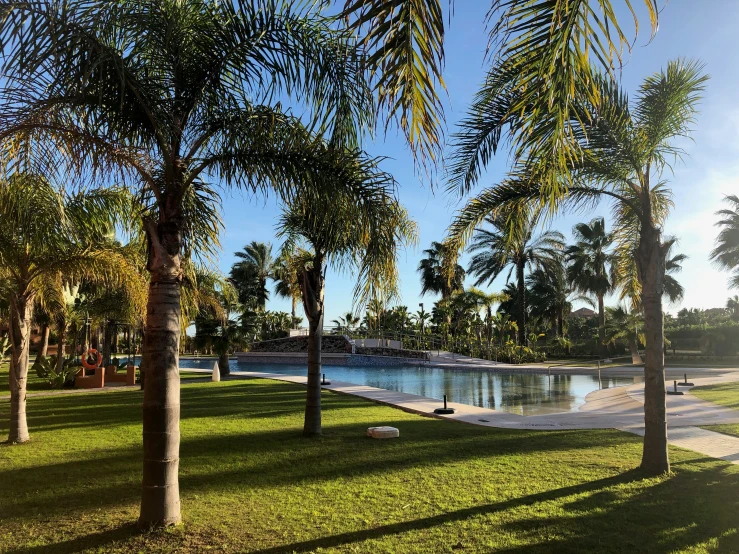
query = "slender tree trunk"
{"x": 602, "y": 347}
{"x": 312, "y": 286}
{"x": 635, "y": 356}
{"x": 651, "y": 272}
{"x": 294, "y": 307}
{"x": 44, "y": 346}
{"x": 160, "y": 498}
{"x": 223, "y": 368}
{"x": 21, "y": 312}
{"x": 61, "y": 344}
{"x": 106, "y": 344}
{"x": 521, "y": 319}
{"x": 560, "y": 324}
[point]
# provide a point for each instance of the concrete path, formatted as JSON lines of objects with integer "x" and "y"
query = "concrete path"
{"x": 615, "y": 408}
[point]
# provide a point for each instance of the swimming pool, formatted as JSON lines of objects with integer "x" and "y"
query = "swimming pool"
{"x": 518, "y": 393}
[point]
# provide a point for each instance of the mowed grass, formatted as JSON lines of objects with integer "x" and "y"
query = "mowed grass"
{"x": 251, "y": 483}
{"x": 726, "y": 394}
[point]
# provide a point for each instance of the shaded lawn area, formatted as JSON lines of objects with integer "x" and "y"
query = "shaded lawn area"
{"x": 726, "y": 394}
{"x": 251, "y": 483}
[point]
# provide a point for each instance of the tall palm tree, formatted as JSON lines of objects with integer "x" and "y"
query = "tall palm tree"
{"x": 626, "y": 275}
{"x": 511, "y": 243}
{"x": 49, "y": 233}
{"x": 549, "y": 296}
{"x": 626, "y": 326}
{"x": 250, "y": 275}
{"x": 486, "y": 301}
{"x": 589, "y": 268}
{"x": 726, "y": 253}
{"x": 542, "y": 51}
{"x": 732, "y": 304}
{"x": 624, "y": 148}
{"x": 286, "y": 282}
{"x": 433, "y": 279}
{"x": 170, "y": 90}
{"x": 344, "y": 233}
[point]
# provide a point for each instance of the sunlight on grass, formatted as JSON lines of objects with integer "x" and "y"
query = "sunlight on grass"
{"x": 250, "y": 482}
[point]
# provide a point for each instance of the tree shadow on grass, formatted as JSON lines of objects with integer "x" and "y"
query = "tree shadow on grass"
{"x": 600, "y": 518}
{"x": 93, "y": 540}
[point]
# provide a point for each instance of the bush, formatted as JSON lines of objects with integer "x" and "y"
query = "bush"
{"x": 46, "y": 369}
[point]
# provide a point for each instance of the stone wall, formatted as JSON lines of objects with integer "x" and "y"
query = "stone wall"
{"x": 330, "y": 344}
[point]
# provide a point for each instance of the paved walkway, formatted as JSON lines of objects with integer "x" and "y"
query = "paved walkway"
{"x": 616, "y": 408}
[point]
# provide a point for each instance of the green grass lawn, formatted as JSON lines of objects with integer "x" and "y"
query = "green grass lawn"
{"x": 726, "y": 394}
{"x": 251, "y": 483}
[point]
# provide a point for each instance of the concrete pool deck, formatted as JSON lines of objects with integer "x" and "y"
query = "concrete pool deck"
{"x": 613, "y": 408}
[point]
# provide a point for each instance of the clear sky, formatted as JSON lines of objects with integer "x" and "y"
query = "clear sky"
{"x": 705, "y": 30}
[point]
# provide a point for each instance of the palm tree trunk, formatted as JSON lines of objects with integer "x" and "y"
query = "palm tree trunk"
{"x": 223, "y": 367}
{"x": 602, "y": 347}
{"x": 21, "y": 312}
{"x": 651, "y": 270}
{"x": 521, "y": 319}
{"x": 634, "y": 349}
{"x": 312, "y": 286}
{"x": 44, "y": 346}
{"x": 160, "y": 498}
{"x": 61, "y": 344}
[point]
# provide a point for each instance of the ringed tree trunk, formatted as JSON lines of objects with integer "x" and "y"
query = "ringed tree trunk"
{"x": 160, "y": 497}
{"x": 223, "y": 368}
{"x": 634, "y": 348}
{"x": 21, "y": 312}
{"x": 44, "y": 346}
{"x": 602, "y": 346}
{"x": 521, "y": 285}
{"x": 651, "y": 271}
{"x": 61, "y": 344}
{"x": 312, "y": 285}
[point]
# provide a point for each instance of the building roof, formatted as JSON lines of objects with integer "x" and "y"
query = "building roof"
{"x": 583, "y": 312}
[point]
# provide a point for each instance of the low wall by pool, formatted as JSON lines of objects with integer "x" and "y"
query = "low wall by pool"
{"x": 353, "y": 360}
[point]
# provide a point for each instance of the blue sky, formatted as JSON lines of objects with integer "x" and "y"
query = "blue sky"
{"x": 699, "y": 30}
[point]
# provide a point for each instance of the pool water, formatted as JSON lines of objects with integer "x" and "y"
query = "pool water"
{"x": 518, "y": 393}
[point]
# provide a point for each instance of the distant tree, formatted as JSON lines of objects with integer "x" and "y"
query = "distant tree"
{"x": 732, "y": 304}
{"x": 347, "y": 322}
{"x": 628, "y": 327}
{"x": 589, "y": 267}
{"x": 433, "y": 278}
{"x": 726, "y": 252}
{"x": 549, "y": 296}
{"x": 250, "y": 275}
{"x": 511, "y": 243}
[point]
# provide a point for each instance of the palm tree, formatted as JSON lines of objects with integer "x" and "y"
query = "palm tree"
{"x": 346, "y": 234}
{"x": 626, "y": 276}
{"x": 626, "y": 326}
{"x": 732, "y": 304}
{"x": 49, "y": 234}
{"x": 433, "y": 278}
{"x": 511, "y": 244}
{"x": 347, "y": 322}
{"x": 251, "y": 273}
{"x": 726, "y": 253}
{"x": 542, "y": 51}
{"x": 286, "y": 282}
{"x": 549, "y": 296}
{"x": 589, "y": 268}
{"x": 623, "y": 147}
{"x": 486, "y": 301}
{"x": 167, "y": 90}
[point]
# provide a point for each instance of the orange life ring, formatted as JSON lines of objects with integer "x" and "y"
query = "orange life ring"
{"x": 90, "y": 352}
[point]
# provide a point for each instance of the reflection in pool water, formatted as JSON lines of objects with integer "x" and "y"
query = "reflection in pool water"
{"x": 519, "y": 393}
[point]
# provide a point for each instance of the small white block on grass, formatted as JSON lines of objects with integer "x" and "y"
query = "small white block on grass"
{"x": 216, "y": 373}
{"x": 383, "y": 432}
